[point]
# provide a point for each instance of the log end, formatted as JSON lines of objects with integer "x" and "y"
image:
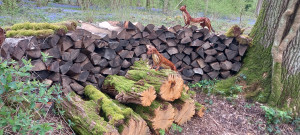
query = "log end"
{"x": 164, "y": 117}
{"x": 136, "y": 126}
{"x": 171, "y": 89}
{"x": 200, "y": 109}
{"x": 185, "y": 112}
{"x": 148, "y": 96}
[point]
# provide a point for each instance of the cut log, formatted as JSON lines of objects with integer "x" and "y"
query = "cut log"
{"x": 54, "y": 52}
{"x": 226, "y": 65}
{"x": 225, "y": 74}
{"x": 160, "y": 115}
{"x": 213, "y": 74}
{"x": 242, "y": 49}
{"x": 117, "y": 114}
{"x": 197, "y": 35}
{"x": 134, "y": 92}
{"x": 233, "y": 47}
{"x": 228, "y": 41}
{"x": 194, "y": 55}
{"x": 82, "y": 76}
{"x": 65, "y": 67}
{"x": 85, "y": 116}
{"x": 206, "y": 45}
{"x": 215, "y": 66}
{"x": 221, "y": 57}
{"x": 116, "y": 62}
{"x": 210, "y": 52}
{"x": 171, "y": 42}
{"x": 219, "y": 47}
{"x": 198, "y": 71}
{"x": 80, "y": 58}
{"x": 95, "y": 58}
{"x": 140, "y": 50}
{"x": 186, "y": 40}
{"x": 197, "y": 42}
{"x": 34, "y": 54}
{"x": 195, "y": 64}
{"x": 167, "y": 83}
{"x": 156, "y": 42}
{"x": 180, "y": 56}
{"x": 77, "y": 88}
{"x": 54, "y": 66}
{"x": 213, "y": 39}
{"x": 188, "y": 50}
{"x": 172, "y": 50}
{"x": 230, "y": 54}
{"x": 201, "y": 63}
{"x": 180, "y": 48}
{"x": 210, "y": 59}
{"x": 74, "y": 70}
{"x": 236, "y": 66}
{"x": 200, "y": 51}
{"x": 184, "y": 110}
{"x": 187, "y": 60}
{"x": 188, "y": 72}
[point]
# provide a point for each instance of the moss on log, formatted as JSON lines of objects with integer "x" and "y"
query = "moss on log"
{"x": 84, "y": 115}
{"x": 167, "y": 83}
{"x": 127, "y": 121}
{"x": 129, "y": 91}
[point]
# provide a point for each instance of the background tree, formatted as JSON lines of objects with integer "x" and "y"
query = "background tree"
{"x": 272, "y": 65}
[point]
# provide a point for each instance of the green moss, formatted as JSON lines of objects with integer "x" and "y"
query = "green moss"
{"x": 123, "y": 84}
{"x": 20, "y": 33}
{"x": 112, "y": 111}
{"x": 225, "y": 85}
{"x": 198, "y": 106}
{"x": 231, "y": 31}
{"x": 141, "y": 70}
{"x": 38, "y": 26}
{"x": 277, "y": 85}
{"x": 100, "y": 126}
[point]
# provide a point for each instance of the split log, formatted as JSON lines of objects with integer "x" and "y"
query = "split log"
{"x": 85, "y": 116}
{"x": 129, "y": 91}
{"x": 167, "y": 83}
{"x": 118, "y": 114}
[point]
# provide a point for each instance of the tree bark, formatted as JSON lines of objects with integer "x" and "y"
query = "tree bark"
{"x": 258, "y": 7}
{"x": 276, "y": 39}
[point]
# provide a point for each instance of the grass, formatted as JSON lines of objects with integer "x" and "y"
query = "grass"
{"x": 53, "y": 13}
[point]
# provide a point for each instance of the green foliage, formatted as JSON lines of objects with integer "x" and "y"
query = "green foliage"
{"x": 45, "y": 56}
{"x": 9, "y": 6}
{"x": 296, "y": 123}
{"x": 18, "y": 99}
{"x": 162, "y": 132}
{"x": 176, "y": 128}
{"x": 275, "y": 117}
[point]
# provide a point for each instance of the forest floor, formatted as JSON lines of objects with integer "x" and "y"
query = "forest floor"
{"x": 222, "y": 117}
{"x": 235, "y": 117}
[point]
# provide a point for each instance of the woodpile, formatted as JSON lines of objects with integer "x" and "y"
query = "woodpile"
{"x": 80, "y": 57}
{"x": 159, "y": 112}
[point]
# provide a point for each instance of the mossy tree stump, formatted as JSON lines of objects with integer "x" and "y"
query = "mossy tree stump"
{"x": 127, "y": 121}
{"x": 167, "y": 83}
{"x": 128, "y": 91}
{"x": 85, "y": 116}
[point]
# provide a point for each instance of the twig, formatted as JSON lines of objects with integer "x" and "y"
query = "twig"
{"x": 179, "y": 3}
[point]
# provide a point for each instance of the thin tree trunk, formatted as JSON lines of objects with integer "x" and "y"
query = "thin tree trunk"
{"x": 166, "y": 4}
{"x": 148, "y": 4}
{"x": 258, "y": 7}
{"x": 206, "y": 8}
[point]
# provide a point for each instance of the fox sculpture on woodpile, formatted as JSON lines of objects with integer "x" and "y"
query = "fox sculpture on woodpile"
{"x": 159, "y": 60}
{"x": 2, "y": 36}
{"x": 188, "y": 20}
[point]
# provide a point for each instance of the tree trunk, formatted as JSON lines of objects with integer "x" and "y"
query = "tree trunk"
{"x": 258, "y": 7}
{"x": 276, "y": 41}
{"x": 148, "y": 4}
{"x": 166, "y": 4}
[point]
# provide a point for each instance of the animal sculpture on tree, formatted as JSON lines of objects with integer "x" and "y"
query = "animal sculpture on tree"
{"x": 189, "y": 20}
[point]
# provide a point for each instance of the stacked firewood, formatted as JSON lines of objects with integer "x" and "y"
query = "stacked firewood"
{"x": 154, "y": 99}
{"x": 80, "y": 57}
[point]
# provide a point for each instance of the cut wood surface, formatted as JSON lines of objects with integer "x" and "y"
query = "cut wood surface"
{"x": 184, "y": 110}
{"x": 167, "y": 83}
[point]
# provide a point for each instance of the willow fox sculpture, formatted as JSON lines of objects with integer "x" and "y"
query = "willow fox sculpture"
{"x": 188, "y": 20}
